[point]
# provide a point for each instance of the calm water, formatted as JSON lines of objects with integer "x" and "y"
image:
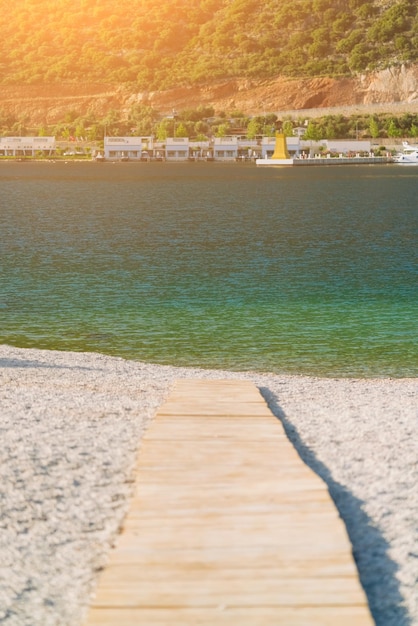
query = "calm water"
{"x": 298, "y": 270}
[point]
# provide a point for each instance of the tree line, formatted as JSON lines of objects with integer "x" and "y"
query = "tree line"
{"x": 204, "y": 122}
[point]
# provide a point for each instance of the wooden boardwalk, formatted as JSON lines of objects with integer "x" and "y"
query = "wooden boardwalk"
{"x": 227, "y": 525}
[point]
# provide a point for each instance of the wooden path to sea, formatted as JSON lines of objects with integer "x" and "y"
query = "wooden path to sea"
{"x": 227, "y": 525}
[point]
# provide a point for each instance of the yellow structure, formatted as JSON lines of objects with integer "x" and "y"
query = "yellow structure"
{"x": 280, "y": 149}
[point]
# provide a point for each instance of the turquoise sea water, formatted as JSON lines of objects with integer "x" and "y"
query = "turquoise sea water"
{"x": 288, "y": 270}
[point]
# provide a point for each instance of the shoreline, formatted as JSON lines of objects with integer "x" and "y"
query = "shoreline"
{"x": 72, "y": 424}
{"x": 378, "y": 160}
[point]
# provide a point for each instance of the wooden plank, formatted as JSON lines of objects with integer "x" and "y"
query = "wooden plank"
{"x": 150, "y": 569}
{"x": 232, "y": 616}
{"x": 286, "y": 539}
{"x": 227, "y": 525}
{"x": 208, "y": 409}
{"x": 222, "y": 395}
{"x": 279, "y": 507}
{"x": 258, "y": 557}
{"x": 192, "y": 385}
{"x": 187, "y": 429}
{"x": 212, "y": 591}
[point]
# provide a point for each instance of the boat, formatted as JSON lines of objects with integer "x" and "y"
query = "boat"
{"x": 409, "y": 156}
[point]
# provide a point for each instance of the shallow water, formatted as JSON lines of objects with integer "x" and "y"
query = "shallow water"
{"x": 298, "y": 270}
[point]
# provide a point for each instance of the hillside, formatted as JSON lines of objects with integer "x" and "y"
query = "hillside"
{"x": 394, "y": 89}
{"x": 160, "y": 44}
{"x": 97, "y": 55}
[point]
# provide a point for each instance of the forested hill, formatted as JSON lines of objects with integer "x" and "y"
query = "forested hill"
{"x": 160, "y": 44}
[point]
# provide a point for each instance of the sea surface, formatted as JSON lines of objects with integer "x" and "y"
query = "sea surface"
{"x": 303, "y": 270}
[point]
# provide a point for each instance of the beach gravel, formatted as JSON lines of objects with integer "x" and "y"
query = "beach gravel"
{"x": 71, "y": 426}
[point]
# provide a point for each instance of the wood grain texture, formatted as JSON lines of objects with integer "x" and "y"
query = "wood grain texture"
{"x": 227, "y": 525}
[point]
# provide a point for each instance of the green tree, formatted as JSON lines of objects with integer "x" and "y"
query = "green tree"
{"x": 181, "y": 130}
{"x": 374, "y": 128}
{"x": 287, "y": 128}
{"x": 313, "y": 132}
{"x": 80, "y": 131}
{"x": 359, "y": 57}
{"x": 66, "y": 133}
{"x": 162, "y": 130}
{"x": 254, "y": 127}
{"x": 201, "y": 128}
{"x": 222, "y": 130}
{"x": 414, "y": 130}
{"x": 95, "y": 132}
{"x": 392, "y": 128}
{"x": 330, "y": 130}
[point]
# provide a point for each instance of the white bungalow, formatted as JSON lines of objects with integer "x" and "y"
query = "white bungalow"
{"x": 127, "y": 148}
{"x": 225, "y": 148}
{"x": 346, "y": 146}
{"x": 337, "y": 147}
{"x": 200, "y": 149}
{"x": 267, "y": 147}
{"x": 27, "y": 146}
{"x": 248, "y": 148}
{"x": 177, "y": 149}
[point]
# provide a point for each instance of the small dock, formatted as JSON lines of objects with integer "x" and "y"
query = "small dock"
{"x": 227, "y": 525}
{"x": 343, "y": 161}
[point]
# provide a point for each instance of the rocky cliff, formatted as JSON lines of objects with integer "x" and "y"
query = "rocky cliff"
{"x": 391, "y": 89}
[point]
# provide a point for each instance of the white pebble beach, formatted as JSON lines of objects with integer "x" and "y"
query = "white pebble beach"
{"x": 71, "y": 426}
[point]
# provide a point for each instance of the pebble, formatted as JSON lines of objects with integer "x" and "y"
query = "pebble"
{"x": 71, "y": 426}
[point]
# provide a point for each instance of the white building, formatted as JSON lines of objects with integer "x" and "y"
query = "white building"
{"x": 225, "y": 148}
{"x": 228, "y": 148}
{"x": 248, "y": 148}
{"x": 267, "y": 147}
{"x": 27, "y": 146}
{"x": 200, "y": 149}
{"x": 177, "y": 149}
{"x": 345, "y": 146}
{"x": 301, "y": 147}
{"x": 127, "y": 148}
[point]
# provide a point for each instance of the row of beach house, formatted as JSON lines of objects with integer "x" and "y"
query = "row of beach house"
{"x": 230, "y": 148}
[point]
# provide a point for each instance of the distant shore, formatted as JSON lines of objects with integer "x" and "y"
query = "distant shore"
{"x": 317, "y": 160}
{"x": 71, "y": 426}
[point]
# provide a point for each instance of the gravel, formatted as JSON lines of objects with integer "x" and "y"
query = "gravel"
{"x": 71, "y": 426}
